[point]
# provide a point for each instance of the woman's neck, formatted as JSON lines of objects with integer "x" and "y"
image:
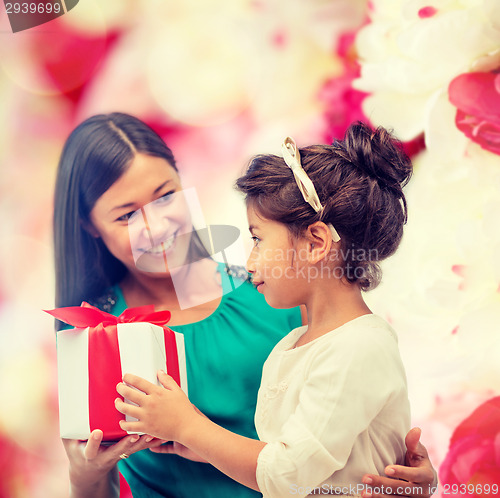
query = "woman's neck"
{"x": 141, "y": 290}
{"x": 189, "y": 286}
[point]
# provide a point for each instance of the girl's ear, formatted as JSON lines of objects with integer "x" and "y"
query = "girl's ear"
{"x": 90, "y": 229}
{"x": 319, "y": 242}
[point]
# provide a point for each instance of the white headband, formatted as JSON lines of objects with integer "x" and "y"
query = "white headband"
{"x": 292, "y": 159}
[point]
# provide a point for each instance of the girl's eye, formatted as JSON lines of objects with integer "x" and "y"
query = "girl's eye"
{"x": 165, "y": 198}
{"x": 256, "y": 240}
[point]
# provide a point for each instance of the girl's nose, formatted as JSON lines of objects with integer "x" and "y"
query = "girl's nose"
{"x": 250, "y": 265}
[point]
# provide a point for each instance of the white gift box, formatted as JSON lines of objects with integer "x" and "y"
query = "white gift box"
{"x": 88, "y": 356}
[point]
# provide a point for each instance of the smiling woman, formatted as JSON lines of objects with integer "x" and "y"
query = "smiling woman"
{"x": 112, "y": 166}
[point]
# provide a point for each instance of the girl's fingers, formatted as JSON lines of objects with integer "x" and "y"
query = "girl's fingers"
{"x": 130, "y": 393}
{"x": 127, "y": 408}
{"x": 166, "y": 381}
{"x": 130, "y": 426}
{"x": 140, "y": 383}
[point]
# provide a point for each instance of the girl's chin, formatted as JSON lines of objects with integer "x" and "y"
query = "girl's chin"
{"x": 276, "y": 302}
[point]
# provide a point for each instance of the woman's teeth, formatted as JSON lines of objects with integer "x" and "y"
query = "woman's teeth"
{"x": 163, "y": 246}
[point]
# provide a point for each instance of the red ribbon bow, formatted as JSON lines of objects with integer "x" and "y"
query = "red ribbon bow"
{"x": 87, "y": 315}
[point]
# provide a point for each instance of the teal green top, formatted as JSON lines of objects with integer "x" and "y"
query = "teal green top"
{"x": 224, "y": 354}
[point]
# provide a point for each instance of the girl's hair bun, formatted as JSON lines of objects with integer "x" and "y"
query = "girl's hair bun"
{"x": 379, "y": 155}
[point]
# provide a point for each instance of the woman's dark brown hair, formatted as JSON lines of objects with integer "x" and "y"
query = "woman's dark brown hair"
{"x": 359, "y": 181}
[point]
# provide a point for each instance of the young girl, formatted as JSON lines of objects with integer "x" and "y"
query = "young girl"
{"x": 333, "y": 397}
{"x": 111, "y": 166}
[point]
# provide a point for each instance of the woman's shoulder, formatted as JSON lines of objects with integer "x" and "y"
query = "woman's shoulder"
{"x": 236, "y": 272}
{"x": 109, "y": 300}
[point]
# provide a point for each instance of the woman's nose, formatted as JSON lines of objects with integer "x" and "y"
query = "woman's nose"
{"x": 156, "y": 224}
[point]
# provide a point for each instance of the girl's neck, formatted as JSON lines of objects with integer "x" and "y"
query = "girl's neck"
{"x": 330, "y": 306}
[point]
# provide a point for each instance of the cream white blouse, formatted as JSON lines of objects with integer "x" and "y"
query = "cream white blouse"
{"x": 331, "y": 410}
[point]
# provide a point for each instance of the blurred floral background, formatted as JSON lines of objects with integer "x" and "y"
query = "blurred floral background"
{"x": 222, "y": 80}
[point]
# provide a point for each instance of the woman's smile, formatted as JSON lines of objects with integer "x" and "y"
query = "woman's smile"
{"x": 166, "y": 245}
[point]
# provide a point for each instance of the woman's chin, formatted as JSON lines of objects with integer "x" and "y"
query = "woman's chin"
{"x": 157, "y": 263}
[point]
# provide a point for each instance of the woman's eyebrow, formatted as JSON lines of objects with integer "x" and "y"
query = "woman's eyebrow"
{"x": 162, "y": 185}
{"x": 122, "y": 206}
{"x": 130, "y": 204}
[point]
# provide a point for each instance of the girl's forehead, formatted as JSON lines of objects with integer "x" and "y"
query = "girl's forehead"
{"x": 253, "y": 210}
{"x": 255, "y": 219}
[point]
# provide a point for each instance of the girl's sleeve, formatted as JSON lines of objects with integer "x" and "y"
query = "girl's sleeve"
{"x": 342, "y": 394}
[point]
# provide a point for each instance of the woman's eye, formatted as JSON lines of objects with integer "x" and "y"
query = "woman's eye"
{"x": 128, "y": 216}
{"x": 165, "y": 198}
{"x": 256, "y": 241}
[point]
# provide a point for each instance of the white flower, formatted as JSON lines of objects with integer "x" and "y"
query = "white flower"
{"x": 407, "y": 59}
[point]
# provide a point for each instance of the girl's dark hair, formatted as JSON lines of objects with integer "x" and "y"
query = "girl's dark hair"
{"x": 359, "y": 181}
{"x": 94, "y": 156}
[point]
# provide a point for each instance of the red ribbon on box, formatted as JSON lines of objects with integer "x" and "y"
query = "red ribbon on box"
{"x": 104, "y": 357}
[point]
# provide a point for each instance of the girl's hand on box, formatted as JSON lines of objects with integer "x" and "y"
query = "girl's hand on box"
{"x": 166, "y": 412}
{"x": 161, "y": 411}
{"x": 93, "y": 470}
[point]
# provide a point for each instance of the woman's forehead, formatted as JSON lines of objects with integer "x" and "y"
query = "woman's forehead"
{"x": 146, "y": 177}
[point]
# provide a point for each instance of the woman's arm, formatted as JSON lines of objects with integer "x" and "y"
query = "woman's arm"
{"x": 419, "y": 474}
{"x": 92, "y": 467}
{"x": 168, "y": 412}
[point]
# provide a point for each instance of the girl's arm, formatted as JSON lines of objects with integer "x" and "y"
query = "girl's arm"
{"x": 92, "y": 470}
{"x": 168, "y": 414}
{"x": 231, "y": 453}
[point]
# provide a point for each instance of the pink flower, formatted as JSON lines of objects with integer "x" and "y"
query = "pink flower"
{"x": 477, "y": 99}
{"x": 428, "y": 11}
{"x": 342, "y": 101}
{"x": 472, "y": 465}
